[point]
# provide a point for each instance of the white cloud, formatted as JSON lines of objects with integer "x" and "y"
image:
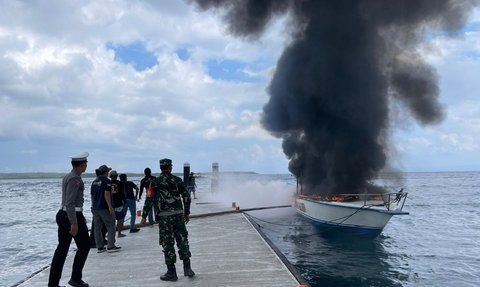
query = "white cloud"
{"x": 460, "y": 143}
{"x": 36, "y": 58}
{"x": 62, "y": 91}
{"x": 234, "y": 131}
{"x": 62, "y": 84}
{"x": 101, "y": 13}
{"x": 173, "y": 121}
{"x": 453, "y": 144}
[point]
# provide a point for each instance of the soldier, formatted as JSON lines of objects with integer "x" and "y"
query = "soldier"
{"x": 172, "y": 216}
{"x": 71, "y": 224}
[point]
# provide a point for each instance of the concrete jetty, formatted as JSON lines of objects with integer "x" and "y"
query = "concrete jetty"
{"x": 226, "y": 251}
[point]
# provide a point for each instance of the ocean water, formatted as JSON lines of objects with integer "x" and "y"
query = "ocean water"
{"x": 436, "y": 245}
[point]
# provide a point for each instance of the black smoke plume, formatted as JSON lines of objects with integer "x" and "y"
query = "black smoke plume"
{"x": 347, "y": 61}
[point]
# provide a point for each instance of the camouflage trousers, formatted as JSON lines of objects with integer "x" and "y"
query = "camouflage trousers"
{"x": 172, "y": 228}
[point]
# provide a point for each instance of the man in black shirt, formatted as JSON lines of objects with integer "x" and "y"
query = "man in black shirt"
{"x": 129, "y": 186}
{"x": 119, "y": 201}
{"x": 191, "y": 185}
{"x": 103, "y": 211}
{"x": 144, "y": 184}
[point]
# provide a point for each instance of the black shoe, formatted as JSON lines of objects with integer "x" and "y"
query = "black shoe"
{"x": 171, "y": 274}
{"x": 134, "y": 230}
{"x": 101, "y": 250}
{"x": 77, "y": 283}
{"x": 113, "y": 249}
{"x": 187, "y": 269}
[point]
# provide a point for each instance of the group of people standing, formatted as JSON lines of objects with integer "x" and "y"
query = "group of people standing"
{"x": 111, "y": 199}
{"x": 166, "y": 197}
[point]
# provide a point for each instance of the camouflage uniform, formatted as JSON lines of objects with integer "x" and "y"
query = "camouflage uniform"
{"x": 170, "y": 192}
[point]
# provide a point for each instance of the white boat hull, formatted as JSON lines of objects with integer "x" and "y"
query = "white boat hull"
{"x": 358, "y": 216}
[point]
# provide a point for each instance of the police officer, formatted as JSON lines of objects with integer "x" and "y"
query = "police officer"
{"x": 71, "y": 224}
{"x": 172, "y": 216}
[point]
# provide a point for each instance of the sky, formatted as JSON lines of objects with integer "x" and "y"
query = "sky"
{"x": 132, "y": 82}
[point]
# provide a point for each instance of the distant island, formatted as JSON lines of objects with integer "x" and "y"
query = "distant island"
{"x": 37, "y": 175}
{"x": 41, "y": 175}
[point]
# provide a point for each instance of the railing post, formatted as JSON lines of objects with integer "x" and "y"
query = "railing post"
{"x": 388, "y": 202}
{"x": 404, "y": 199}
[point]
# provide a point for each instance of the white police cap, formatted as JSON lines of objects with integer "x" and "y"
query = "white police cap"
{"x": 80, "y": 157}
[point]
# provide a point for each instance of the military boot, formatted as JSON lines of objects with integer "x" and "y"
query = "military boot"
{"x": 171, "y": 274}
{"x": 187, "y": 269}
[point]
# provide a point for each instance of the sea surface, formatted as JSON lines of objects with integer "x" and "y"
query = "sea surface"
{"x": 436, "y": 245}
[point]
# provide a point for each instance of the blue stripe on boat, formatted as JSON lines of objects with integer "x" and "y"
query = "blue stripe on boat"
{"x": 371, "y": 232}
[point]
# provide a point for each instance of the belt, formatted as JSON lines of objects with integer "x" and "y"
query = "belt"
{"x": 168, "y": 213}
{"x": 77, "y": 209}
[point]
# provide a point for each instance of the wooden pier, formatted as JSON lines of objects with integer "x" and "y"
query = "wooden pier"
{"x": 226, "y": 251}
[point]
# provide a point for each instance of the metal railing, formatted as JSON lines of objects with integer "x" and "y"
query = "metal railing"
{"x": 396, "y": 198}
{"x": 392, "y": 200}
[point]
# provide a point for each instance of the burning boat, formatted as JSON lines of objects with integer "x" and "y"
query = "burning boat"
{"x": 365, "y": 214}
{"x": 334, "y": 99}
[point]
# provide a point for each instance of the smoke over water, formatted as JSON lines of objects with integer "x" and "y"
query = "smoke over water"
{"x": 331, "y": 92}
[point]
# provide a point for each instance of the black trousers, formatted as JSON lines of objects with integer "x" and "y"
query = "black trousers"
{"x": 64, "y": 240}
